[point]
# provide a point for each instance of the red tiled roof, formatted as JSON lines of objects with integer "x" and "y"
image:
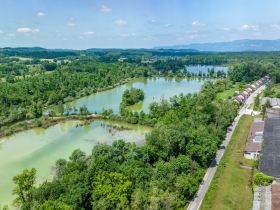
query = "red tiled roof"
{"x": 238, "y": 98}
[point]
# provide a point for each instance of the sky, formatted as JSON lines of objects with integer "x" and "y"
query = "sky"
{"x": 83, "y": 24}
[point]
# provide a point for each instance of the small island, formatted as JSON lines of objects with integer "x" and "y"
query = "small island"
{"x": 130, "y": 97}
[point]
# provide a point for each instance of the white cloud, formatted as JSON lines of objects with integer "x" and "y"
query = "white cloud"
{"x": 36, "y": 31}
{"x": 129, "y": 35}
{"x": 121, "y": 22}
{"x": 110, "y": 39}
{"x": 226, "y": 29}
{"x": 275, "y": 26}
{"x": 81, "y": 37}
{"x": 247, "y": 27}
{"x": 166, "y": 25}
{"x": 153, "y": 21}
{"x": 40, "y": 14}
{"x": 71, "y": 25}
{"x": 88, "y": 33}
{"x": 27, "y": 30}
{"x": 59, "y": 34}
{"x": 105, "y": 9}
{"x": 10, "y": 34}
{"x": 1, "y": 31}
{"x": 71, "y": 18}
{"x": 92, "y": 8}
{"x": 6, "y": 38}
{"x": 192, "y": 36}
{"x": 196, "y": 23}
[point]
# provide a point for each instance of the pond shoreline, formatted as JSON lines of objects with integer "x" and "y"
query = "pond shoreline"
{"x": 48, "y": 122}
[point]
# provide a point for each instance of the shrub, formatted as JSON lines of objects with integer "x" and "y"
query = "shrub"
{"x": 8, "y": 132}
{"x": 152, "y": 122}
{"x": 39, "y": 123}
{"x": 261, "y": 179}
{"x": 133, "y": 120}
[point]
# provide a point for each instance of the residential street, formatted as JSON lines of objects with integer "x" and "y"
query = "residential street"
{"x": 197, "y": 199}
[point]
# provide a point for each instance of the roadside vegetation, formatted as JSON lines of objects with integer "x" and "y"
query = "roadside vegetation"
{"x": 231, "y": 187}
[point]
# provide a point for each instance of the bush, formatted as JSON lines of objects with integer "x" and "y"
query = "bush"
{"x": 68, "y": 99}
{"x": 133, "y": 120}
{"x": 39, "y": 123}
{"x": 152, "y": 122}
{"x": 261, "y": 179}
{"x": 8, "y": 132}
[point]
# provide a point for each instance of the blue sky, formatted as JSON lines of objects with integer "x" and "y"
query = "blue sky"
{"x": 82, "y": 24}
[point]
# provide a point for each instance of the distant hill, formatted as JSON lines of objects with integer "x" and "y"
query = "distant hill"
{"x": 238, "y": 45}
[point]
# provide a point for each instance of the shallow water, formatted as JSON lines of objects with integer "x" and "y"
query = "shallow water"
{"x": 153, "y": 89}
{"x": 40, "y": 148}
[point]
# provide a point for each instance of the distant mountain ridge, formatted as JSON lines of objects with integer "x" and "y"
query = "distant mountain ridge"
{"x": 238, "y": 45}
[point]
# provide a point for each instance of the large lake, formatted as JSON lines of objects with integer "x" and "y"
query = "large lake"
{"x": 153, "y": 89}
{"x": 40, "y": 148}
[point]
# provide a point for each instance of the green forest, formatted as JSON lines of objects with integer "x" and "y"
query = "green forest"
{"x": 188, "y": 129}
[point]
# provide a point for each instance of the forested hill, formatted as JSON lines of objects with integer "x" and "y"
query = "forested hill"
{"x": 234, "y": 46}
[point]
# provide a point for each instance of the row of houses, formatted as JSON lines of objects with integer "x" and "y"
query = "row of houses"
{"x": 244, "y": 94}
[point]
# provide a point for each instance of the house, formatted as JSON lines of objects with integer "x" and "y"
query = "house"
{"x": 253, "y": 144}
{"x": 253, "y": 87}
{"x": 260, "y": 82}
{"x": 248, "y": 90}
{"x": 241, "y": 96}
{"x": 256, "y": 84}
{"x": 242, "y": 93}
{"x": 238, "y": 99}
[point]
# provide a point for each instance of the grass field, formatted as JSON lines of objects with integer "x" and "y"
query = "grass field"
{"x": 42, "y": 59}
{"x": 21, "y": 77}
{"x": 227, "y": 93}
{"x": 229, "y": 188}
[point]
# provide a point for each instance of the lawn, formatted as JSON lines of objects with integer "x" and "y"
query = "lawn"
{"x": 227, "y": 93}
{"x": 229, "y": 188}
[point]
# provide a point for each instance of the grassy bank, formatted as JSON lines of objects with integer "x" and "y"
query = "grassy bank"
{"x": 229, "y": 188}
{"x": 226, "y": 93}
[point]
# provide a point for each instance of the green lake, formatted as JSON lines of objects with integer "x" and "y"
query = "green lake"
{"x": 153, "y": 89}
{"x": 40, "y": 148}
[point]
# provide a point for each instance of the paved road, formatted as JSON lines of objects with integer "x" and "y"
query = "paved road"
{"x": 199, "y": 195}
